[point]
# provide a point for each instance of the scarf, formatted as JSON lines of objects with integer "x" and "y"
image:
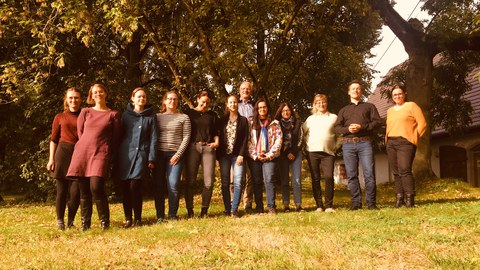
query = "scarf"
{"x": 262, "y": 144}
{"x": 287, "y": 127}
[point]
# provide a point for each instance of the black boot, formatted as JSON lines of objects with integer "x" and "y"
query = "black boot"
{"x": 103, "y": 213}
{"x": 86, "y": 211}
{"x": 400, "y": 200}
{"x": 410, "y": 201}
{"x": 60, "y": 225}
{"x": 204, "y": 212}
{"x": 190, "y": 213}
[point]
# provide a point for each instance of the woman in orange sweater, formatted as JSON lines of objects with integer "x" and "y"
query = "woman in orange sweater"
{"x": 405, "y": 124}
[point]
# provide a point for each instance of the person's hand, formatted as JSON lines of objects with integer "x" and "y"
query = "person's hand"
{"x": 213, "y": 145}
{"x": 354, "y": 128}
{"x": 239, "y": 160}
{"x": 174, "y": 160}
{"x": 151, "y": 165}
{"x": 51, "y": 165}
{"x": 291, "y": 156}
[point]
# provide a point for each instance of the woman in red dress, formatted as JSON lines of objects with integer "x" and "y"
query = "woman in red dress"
{"x": 98, "y": 133}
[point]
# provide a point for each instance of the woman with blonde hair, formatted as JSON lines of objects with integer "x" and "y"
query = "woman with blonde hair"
{"x": 62, "y": 142}
{"x": 321, "y": 144}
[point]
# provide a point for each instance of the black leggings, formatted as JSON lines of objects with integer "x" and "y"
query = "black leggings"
{"x": 132, "y": 198}
{"x": 92, "y": 186}
{"x": 67, "y": 194}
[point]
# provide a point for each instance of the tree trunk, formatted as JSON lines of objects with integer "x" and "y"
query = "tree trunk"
{"x": 419, "y": 81}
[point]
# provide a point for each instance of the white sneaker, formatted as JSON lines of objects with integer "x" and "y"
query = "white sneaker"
{"x": 319, "y": 209}
{"x": 330, "y": 210}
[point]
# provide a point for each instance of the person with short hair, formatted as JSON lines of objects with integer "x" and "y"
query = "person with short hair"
{"x": 136, "y": 154}
{"x": 405, "y": 125}
{"x": 98, "y": 132}
{"x": 62, "y": 142}
{"x": 357, "y": 123}
{"x": 321, "y": 145}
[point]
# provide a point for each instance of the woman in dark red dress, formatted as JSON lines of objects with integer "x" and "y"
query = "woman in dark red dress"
{"x": 63, "y": 139}
{"x": 98, "y": 132}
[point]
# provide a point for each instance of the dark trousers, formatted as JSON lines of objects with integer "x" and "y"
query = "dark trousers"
{"x": 132, "y": 198}
{"x": 317, "y": 160}
{"x": 400, "y": 154}
{"x": 67, "y": 195}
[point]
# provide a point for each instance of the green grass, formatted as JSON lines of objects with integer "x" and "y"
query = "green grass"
{"x": 442, "y": 232}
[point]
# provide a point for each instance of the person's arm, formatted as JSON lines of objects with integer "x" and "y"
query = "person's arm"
{"x": 339, "y": 126}
{"x": 54, "y": 139}
{"x": 420, "y": 118}
{"x": 186, "y": 132}
{"x": 81, "y": 122}
{"x": 277, "y": 142}
{"x": 152, "y": 154}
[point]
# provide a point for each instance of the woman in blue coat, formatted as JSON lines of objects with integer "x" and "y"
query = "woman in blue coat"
{"x": 137, "y": 153}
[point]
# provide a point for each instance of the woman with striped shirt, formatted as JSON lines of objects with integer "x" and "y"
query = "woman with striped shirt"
{"x": 173, "y": 138}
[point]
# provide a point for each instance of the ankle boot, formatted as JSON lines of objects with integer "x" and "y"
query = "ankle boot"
{"x": 103, "y": 213}
{"x": 286, "y": 206}
{"x": 410, "y": 202}
{"x": 61, "y": 225}
{"x": 204, "y": 212}
{"x": 190, "y": 213}
{"x": 86, "y": 212}
{"x": 400, "y": 200}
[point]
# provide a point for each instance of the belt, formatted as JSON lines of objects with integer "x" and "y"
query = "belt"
{"x": 357, "y": 139}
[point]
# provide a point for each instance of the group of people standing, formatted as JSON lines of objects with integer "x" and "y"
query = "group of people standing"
{"x": 249, "y": 142}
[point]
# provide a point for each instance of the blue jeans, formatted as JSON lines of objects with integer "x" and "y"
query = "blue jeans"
{"x": 352, "y": 153}
{"x": 263, "y": 172}
{"x": 227, "y": 163}
{"x": 166, "y": 178}
{"x": 296, "y": 167}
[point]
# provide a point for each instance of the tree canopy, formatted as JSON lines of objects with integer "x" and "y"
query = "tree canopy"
{"x": 289, "y": 49}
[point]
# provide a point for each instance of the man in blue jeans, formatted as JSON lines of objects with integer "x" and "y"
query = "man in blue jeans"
{"x": 357, "y": 122}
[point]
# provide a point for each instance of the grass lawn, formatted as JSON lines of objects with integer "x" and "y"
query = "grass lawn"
{"x": 442, "y": 232}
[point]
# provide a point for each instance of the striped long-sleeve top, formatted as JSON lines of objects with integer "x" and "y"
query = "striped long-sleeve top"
{"x": 173, "y": 133}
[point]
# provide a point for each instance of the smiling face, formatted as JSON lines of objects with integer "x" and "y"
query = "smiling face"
{"x": 286, "y": 112}
{"x": 73, "y": 100}
{"x": 171, "y": 102}
{"x": 320, "y": 104}
{"x": 139, "y": 99}
{"x": 203, "y": 103}
{"x": 232, "y": 104}
{"x": 99, "y": 95}
{"x": 398, "y": 96}
{"x": 245, "y": 91}
{"x": 355, "y": 91}
{"x": 262, "y": 110}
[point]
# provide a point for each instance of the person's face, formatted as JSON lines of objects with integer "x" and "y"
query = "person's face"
{"x": 73, "y": 100}
{"x": 321, "y": 105}
{"x": 262, "y": 110}
{"x": 398, "y": 96}
{"x": 232, "y": 104}
{"x": 140, "y": 98}
{"x": 203, "y": 103}
{"x": 171, "y": 102}
{"x": 355, "y": 91}
{"x": 98, "y": 94}
{"x": 286, "y": 112}
{"x": 245, "y": 90}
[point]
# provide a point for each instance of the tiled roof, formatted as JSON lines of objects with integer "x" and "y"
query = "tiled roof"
{"x": 473, "y": 95}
